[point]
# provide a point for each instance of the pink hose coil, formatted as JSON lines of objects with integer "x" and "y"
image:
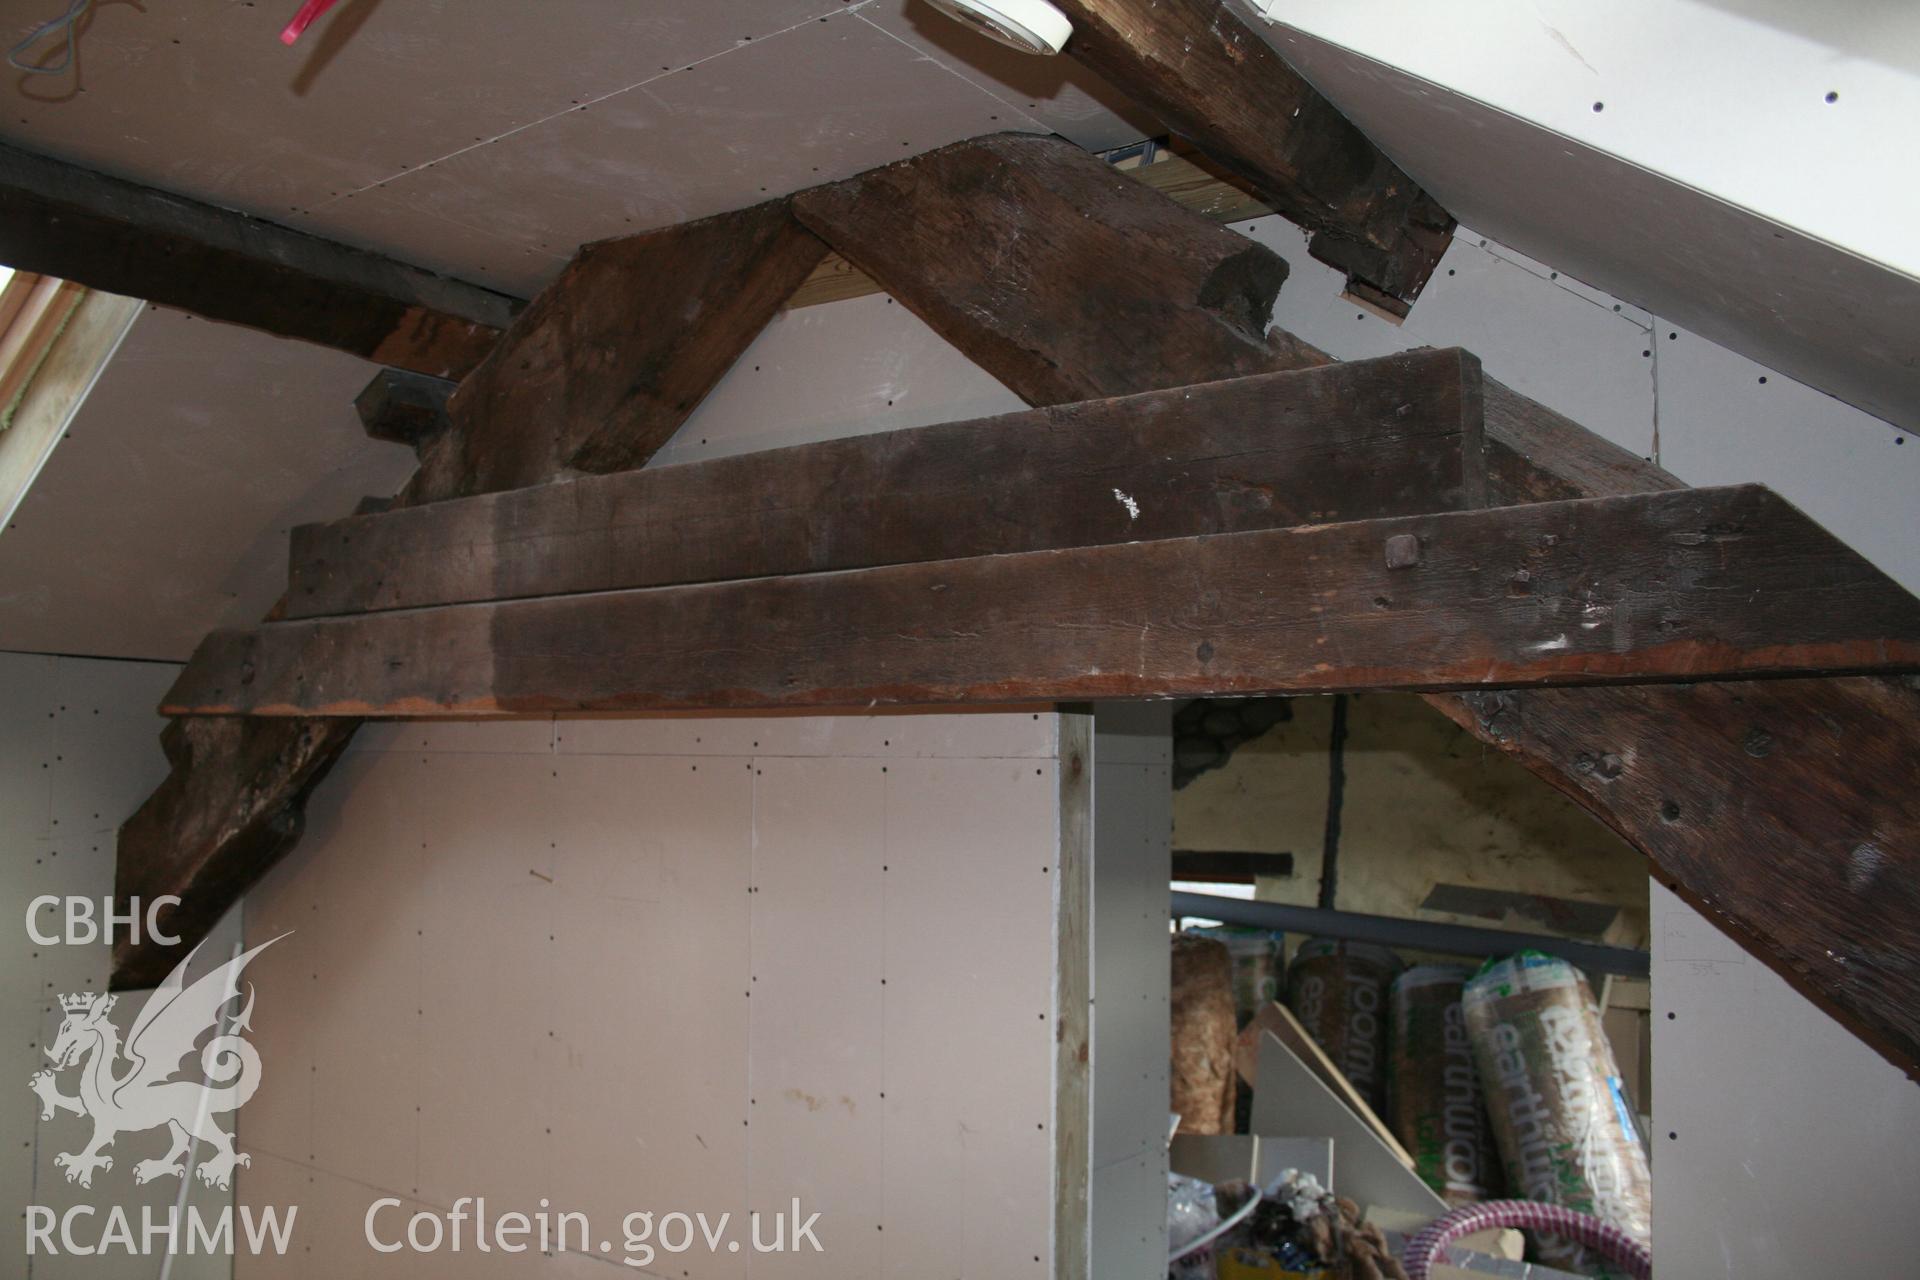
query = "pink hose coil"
{"x": 1532, "y": 1215}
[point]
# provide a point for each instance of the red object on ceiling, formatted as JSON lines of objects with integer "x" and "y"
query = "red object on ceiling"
{"x": 302, "y": 20}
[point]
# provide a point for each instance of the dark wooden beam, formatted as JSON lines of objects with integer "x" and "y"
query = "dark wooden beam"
{"x": 1395, "y": 436}
{"x": 1771, "y": 848}
{"x": 1784, "y": 809}
{"x": 404, "y": 408}
{"x": 1695, "y": 583}
{"x": 1189, "y": 180}
{"x": 232, "y": 804}
{"x": 1535, "y": 454}
{"x": 1072, "y": 281}
{"x": 1203, "y": 70}
{"x": 62, "y": 220}
{"x": 611, "y": 359}
{"x": 234, "y": 801}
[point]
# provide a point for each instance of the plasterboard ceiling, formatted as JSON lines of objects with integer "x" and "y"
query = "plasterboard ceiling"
{"x": 1831, "y": 319}
{"x": 165, "y": 511}
{"x": 489, "y": 138}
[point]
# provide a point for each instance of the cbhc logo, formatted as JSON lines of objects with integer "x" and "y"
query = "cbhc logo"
{"x": 83, "y": 926}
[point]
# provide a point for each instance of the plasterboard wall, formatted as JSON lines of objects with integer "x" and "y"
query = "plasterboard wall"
{"x": 686, "y": 964}
{"x": 1782, "y": 1147}
{"x": 79, "y": 749}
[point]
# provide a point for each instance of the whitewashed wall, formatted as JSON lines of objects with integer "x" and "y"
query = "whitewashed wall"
{"x": 79, "y": 749}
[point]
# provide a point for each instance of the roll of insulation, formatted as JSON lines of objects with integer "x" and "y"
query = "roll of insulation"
{"x": 1559, "y": 1109}
{"x": 1435, "y": 1103}
{"x": 1338, "y": 990}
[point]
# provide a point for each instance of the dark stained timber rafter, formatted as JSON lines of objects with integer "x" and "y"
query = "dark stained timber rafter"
{"x": 1782, "y": 807}
{"x": 1766, "y": 842}
{"x": 234, "y": 802}
{"x": 1201, "y": 68}
{"x": 609, "y": 361}
{"x": 109, "y": 234}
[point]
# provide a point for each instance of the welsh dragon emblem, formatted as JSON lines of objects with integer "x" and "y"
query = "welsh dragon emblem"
{"x": 132, "y": 1088}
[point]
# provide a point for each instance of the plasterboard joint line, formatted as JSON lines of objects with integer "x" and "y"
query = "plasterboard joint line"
{"x": 591, "y": 102}
{"x": 1551, "y": 277}
{"x": 967, "y": 80}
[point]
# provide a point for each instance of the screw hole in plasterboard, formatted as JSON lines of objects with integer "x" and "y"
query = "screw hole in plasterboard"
{"x": 1832, "y": 97}
{"x": 1599, "y": 106}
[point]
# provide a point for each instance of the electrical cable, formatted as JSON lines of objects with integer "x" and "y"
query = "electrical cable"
{"x": 67, "y": 23}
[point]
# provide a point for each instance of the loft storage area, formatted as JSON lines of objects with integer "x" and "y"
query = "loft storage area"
{"x": 1453, "y": 968}
{"x": 1056, "y": 639}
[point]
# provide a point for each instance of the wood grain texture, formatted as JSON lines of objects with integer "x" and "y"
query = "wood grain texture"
{"x": 1063, "y": 278}
{"x": 603, "y": 367}
{"x": 108, "y": 234}
{"x": 1073, "y": 1107}
{"x": 1394, "y": 436}
{"x": 631, "y": 338}
{"x": 1784, "y": 809}
{"x": 1198, "y": 66}
{"x": 1187, "y": 180}
{"x": 1771, "y": 852}
{"x": 1535, "y": 454}
{"x": 1694, "y": 583}
{"x": 232, "y": 805}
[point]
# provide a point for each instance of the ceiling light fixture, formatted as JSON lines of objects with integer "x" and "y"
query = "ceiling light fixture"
{"x": 1031, "y": 26}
